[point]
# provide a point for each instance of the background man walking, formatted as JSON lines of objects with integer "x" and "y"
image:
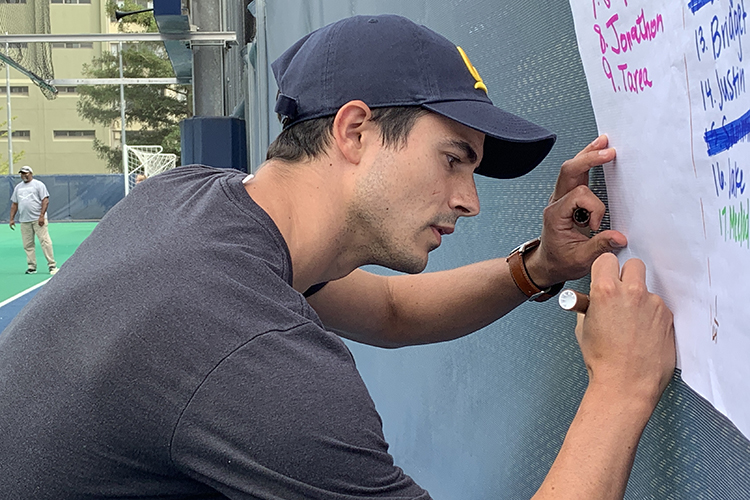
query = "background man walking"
{"x": 30, "y": 200}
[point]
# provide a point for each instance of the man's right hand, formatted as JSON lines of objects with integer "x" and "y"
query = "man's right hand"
{"x": 627, "y": 341}
{"x": 12, "y": 225}
{"x": 627, "y": 335}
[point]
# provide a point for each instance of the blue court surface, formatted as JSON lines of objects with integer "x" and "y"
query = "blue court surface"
{"x": 9, "y": 308}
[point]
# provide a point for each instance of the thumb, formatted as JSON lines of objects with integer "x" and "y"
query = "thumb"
{"x": 606, "y": 241}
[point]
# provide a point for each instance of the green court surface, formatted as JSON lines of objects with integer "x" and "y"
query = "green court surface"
{"x": 66, "y": 236}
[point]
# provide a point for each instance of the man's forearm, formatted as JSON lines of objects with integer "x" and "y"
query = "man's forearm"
{"x": 598, "y": 452}
{"x": 627, "y": 343}
{"x": 418, "y": 309}
{"x": 13, "y": 211}
{"x": 45, "y": 204}
{"x": 445, "y": 305}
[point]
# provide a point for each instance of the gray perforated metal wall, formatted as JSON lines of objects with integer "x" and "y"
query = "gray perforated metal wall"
{"x": 484, "y": 416}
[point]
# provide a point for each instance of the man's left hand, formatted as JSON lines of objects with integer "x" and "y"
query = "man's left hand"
{"x": 41, "y": 221}
{"x": 565, "y": 253}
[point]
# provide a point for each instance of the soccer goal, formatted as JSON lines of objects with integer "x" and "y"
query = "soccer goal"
{"x": 145, "y": 161}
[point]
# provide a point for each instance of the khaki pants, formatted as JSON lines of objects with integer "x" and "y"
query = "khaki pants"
{"x": 28, "y": 230}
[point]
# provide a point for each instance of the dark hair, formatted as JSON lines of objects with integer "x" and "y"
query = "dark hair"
{"x": 307, "y": 140}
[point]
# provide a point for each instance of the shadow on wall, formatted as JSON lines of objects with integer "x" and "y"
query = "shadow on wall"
{"x": 72, "y": 197}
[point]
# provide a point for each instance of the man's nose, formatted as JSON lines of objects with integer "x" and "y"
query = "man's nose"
{"x": 465, "y": 198}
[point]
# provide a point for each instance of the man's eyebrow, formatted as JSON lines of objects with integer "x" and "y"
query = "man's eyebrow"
{"x": 465, "y": 147}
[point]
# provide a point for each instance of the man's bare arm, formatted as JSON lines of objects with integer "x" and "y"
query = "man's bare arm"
{"x": 395, "y": 311}
{"x": 627, "y": 342}
{"x": 45, "y": 204}
{"x": 13, "y": 210}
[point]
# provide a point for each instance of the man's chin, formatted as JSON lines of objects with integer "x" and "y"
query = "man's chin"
{"x": 408, "y": 265}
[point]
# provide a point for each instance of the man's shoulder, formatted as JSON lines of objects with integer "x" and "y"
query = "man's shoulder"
{"x": 199, "y": 171}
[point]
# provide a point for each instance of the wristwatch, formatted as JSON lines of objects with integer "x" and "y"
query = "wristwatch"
{"x": 521, "y": 277}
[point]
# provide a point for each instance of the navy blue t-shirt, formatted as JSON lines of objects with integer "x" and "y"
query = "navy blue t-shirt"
{"x": 171, "y": 358}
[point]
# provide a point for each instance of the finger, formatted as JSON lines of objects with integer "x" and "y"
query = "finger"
{"x": 591, "y": 249}
{"x": 598, "y": 143}
{"x": 583, "y": 197}
{"x": 575, "y": 172}
{"x": 579, "y": 326}
{"x": 607, "y": 242}
{"x": 606, "y": 266}
{"x": 633, "y": 271}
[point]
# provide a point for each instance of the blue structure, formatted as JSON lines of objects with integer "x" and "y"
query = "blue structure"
{"x": 71, "y": 197}
{"x": 214, "y": 141}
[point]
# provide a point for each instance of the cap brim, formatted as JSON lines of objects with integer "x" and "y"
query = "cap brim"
{"x": 512, "y": 146}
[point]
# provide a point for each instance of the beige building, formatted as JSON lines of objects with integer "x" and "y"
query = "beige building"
{"x": 54, "y": 139}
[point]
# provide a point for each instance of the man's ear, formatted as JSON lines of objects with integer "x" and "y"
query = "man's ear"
{"x": 351, "y": 125}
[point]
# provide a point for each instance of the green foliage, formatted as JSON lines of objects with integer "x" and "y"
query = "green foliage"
{"x": 153, "y": 112}
{"x": 5, "y": 166}
{"x": 17, "y": 155}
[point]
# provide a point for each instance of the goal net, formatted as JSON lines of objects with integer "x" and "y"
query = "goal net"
{"x": 33, "y": 59}
{"x": 144, "y": 162}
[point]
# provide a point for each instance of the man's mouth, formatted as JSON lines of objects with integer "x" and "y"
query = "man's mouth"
{"x": 439, "y": 231}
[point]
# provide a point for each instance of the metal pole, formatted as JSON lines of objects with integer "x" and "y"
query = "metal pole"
{"x": 262, "y": 75}
{"x": 218, "y": 38}
{"x": 122, "y": 129}
{"x": 10, "y": 114}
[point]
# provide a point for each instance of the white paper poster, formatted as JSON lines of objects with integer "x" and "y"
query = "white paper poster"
{"x": 668, "y": 85}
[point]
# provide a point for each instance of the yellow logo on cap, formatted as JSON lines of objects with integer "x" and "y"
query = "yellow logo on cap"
{"x": 480, "y": 84}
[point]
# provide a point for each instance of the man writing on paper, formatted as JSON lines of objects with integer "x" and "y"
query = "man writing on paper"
{"x": 207, "y": 374}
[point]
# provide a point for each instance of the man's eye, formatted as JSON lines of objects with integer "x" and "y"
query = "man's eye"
{"x": 452, "y": 160}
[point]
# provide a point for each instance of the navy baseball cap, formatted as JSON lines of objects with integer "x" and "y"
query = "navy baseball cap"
{"x": 389, "y": 61}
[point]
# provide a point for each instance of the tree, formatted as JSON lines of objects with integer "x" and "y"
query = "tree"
{"x": 153, "y": 112}
{"x": 17, "y": 155}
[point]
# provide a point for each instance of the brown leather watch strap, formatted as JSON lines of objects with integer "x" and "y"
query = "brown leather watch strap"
{"x": 521, "y": 277}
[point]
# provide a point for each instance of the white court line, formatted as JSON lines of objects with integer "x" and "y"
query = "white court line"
{"x": 18, "y": 296}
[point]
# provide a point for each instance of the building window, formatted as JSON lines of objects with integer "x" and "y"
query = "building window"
{"x": 24, "y": 135}
{"x": 144, "y": 4}
{"x": 66, "y": 90}
{"x": 73, "y": 45}
{"x": 70, "y": 1}
{"x": 21, "y": 90}
{"x": 12, "y": 1}
{"x": 74, "y": 134}
{"x": 18, "y": 45}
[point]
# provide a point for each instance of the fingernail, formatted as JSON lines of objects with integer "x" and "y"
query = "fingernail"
{"x": 605, "y": 152}
{"x": 615, "y": 244}
{"x": 595, "y": 141}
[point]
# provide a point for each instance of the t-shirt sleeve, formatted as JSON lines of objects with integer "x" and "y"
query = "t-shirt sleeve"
{"x": 42, "y": 191}
{"x": 14, "y": 196}
{"x": 287, "y": 416}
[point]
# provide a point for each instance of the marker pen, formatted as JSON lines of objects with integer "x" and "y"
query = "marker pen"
{"x": 581, "y": 217}
{"x": 570, "y": 300}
